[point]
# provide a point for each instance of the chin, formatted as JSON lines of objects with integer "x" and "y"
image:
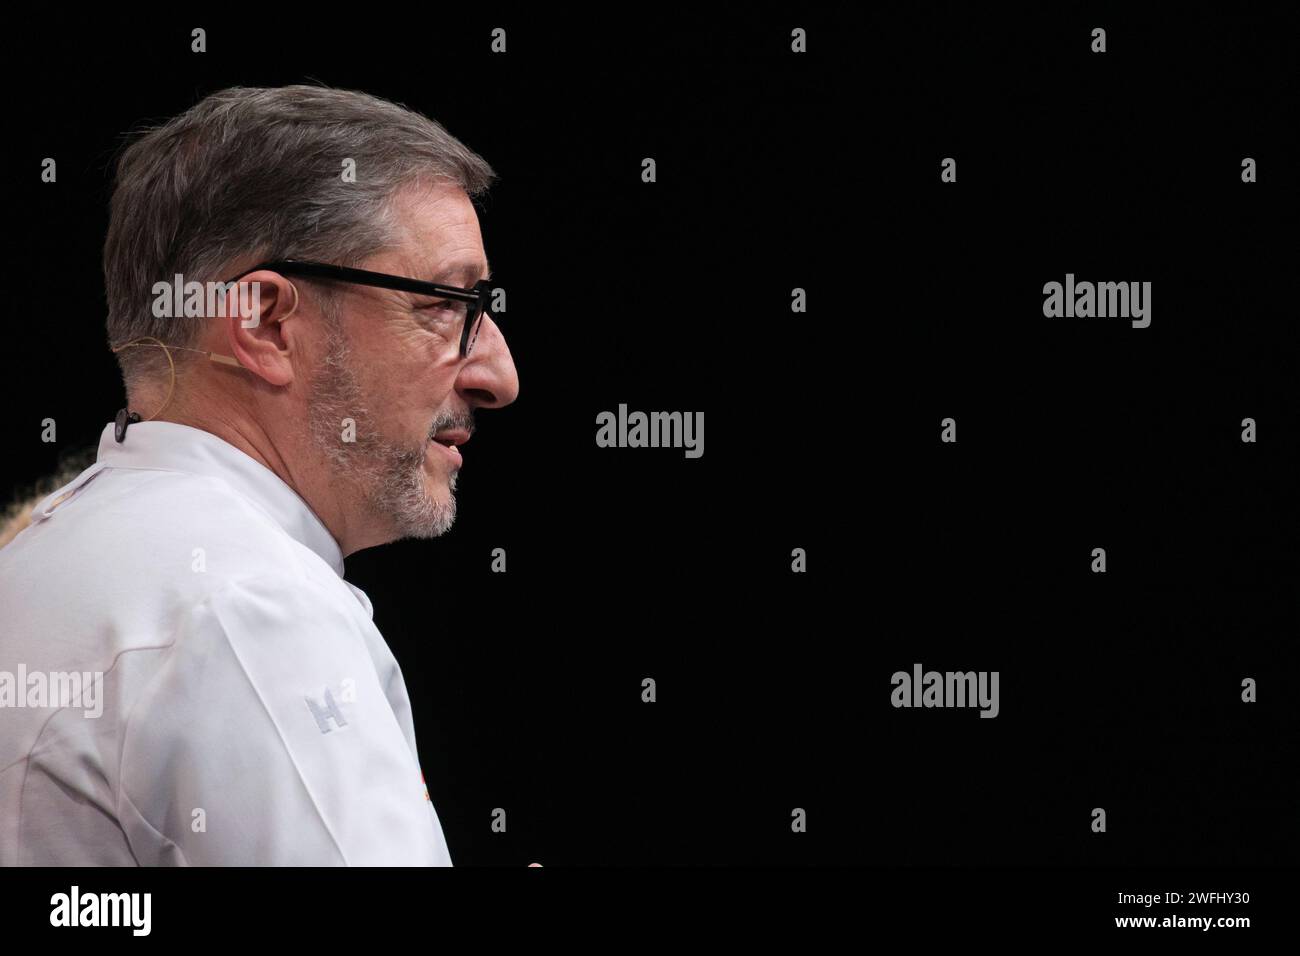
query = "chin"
{"x": 420, "y": 502}
{"x": 431, "y": 522}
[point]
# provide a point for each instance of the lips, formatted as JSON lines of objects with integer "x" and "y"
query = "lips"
{"x": 446, "y": 442}
{"x": 449, "y": 451}
{"x": 451, "y": 436}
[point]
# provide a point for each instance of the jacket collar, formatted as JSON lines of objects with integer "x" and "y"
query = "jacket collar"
{"x": 168, "y": 446}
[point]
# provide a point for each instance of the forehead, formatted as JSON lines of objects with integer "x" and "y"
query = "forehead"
{"x": 439, "y": 236}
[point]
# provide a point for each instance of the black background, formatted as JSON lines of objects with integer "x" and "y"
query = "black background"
{"x": 818, "y": 171}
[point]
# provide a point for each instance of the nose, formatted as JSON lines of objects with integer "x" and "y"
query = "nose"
{"x": 488, "y": 378}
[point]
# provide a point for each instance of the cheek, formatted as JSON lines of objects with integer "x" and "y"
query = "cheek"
{"x": 421, "y": 398}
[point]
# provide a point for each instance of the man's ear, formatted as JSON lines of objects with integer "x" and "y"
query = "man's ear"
{"x": 256, "y": 317}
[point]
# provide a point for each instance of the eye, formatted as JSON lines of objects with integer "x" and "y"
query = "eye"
{"x": 442, "y": 310}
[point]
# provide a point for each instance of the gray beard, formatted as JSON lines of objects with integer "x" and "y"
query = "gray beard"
{"x": 389, "y": 477}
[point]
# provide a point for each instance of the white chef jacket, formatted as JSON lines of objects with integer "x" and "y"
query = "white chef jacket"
{"x": 250, "y": 712}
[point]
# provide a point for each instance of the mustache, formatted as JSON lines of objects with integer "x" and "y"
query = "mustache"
{"x": 449, "y": 420}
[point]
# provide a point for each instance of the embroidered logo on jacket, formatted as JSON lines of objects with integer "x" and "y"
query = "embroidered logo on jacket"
{"x": 324, "y": 714}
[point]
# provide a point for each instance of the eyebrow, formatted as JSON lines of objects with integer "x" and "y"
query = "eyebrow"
{"x": 465, "y": 269}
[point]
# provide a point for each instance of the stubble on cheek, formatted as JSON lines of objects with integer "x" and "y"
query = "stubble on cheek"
{"x": 393, "y": 478}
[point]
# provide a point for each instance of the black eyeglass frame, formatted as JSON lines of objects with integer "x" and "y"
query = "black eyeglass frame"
{"x": 477, "y": 294}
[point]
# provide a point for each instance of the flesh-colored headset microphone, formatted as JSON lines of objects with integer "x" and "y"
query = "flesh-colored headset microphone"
{"x": 126, "y": 417}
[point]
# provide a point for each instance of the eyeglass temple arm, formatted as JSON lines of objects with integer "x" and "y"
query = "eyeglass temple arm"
{"x": 363, "y": 276}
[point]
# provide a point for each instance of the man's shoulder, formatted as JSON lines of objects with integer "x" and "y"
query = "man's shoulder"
{"x": 118, "y": 565}
{"x": 153, "y": 524}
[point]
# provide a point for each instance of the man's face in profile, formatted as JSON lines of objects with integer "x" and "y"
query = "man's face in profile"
{"x": 396, "y": 371}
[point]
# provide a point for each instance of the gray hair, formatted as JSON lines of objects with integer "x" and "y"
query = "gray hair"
{"x": 250, "y": 173}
